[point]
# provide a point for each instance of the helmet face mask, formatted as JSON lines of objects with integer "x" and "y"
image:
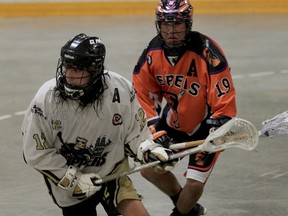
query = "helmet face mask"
{"x": 173, "y": 33}
{"x": 173, "y": 12}
{"x": 82, "y": 62}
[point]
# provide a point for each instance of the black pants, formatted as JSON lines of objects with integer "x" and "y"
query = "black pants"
{"x": 201, "y": 161}
{"x": 88, "y": 206}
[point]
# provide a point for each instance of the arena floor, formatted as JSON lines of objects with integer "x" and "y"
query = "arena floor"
{"x": 243, "y": 183}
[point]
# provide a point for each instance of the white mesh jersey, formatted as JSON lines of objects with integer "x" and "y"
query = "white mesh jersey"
{"x": 56, "y": 135}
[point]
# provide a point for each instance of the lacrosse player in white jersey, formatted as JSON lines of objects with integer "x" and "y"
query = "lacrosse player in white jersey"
{"x": 83, "y": 125}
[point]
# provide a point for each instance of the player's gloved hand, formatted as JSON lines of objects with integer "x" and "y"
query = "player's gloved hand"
{"x": 149, "y": 151}
{"x": 162, "y": 138}
{"x": 217, "y": 122}
{"x": 79, "y": 185}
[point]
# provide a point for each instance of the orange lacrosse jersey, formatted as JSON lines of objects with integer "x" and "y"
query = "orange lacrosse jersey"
{"x": 195, "y": 85}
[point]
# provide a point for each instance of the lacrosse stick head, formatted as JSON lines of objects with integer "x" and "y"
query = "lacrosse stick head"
{"x": 274, "y": 126}
{"x": 237, "y": 132}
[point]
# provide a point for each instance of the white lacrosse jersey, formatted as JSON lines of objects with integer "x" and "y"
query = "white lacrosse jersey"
{"x": 56, "y": 135}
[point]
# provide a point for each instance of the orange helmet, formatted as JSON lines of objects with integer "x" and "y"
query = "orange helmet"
{"x": 174, "y": 11}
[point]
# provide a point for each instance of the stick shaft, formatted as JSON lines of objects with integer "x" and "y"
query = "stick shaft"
{"x": 118, "y": 175}
{"x": 144, "y": 166}
{"x": 186, "y": 144}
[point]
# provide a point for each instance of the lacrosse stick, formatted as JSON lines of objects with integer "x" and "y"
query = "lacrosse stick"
{"x": 235, "y": 133}
{"x": 274, "y": 126}
{"x": 270, "y": 127}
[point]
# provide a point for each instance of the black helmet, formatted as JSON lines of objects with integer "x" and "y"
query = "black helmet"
{"x": 174, "y": 11}
{"x": 84, "y": 53}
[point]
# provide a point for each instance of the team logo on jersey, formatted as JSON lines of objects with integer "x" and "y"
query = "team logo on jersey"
{"x": 117, "y": 119}
{"x": 173, "y": 102}
{"x": 211, "y": 58}
{"x": 132, "y": 94}
{"x": 215, "y": 60}
{"x": 38, "y": 111}
{"x": 141, "y": 118}
{"x": 202, "y": 161}
{"x": 199, "y": 158}
{"x": 79, "y": 153}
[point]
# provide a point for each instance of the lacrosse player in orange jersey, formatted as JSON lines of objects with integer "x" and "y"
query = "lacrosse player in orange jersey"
{"x": 189, "y": 70}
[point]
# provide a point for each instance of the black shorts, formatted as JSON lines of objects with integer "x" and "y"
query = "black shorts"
{"x": 88, "y": 206}
{"x": 200, "y": 164}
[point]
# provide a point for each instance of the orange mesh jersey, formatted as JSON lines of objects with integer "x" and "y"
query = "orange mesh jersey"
{"x": 195, "y": 85}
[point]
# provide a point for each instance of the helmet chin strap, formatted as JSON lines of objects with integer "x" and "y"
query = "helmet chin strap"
{"x": 174, "y": 45}
{"x": 73, "y": 93}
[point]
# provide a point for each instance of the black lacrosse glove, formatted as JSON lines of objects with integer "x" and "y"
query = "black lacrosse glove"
{"x": 163, "y": 139}
{"x": 217, "y": 122}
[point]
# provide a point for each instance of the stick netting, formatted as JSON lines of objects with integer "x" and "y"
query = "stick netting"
{"x": 276, "y": 125}
{"x": 235, "y": 133}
